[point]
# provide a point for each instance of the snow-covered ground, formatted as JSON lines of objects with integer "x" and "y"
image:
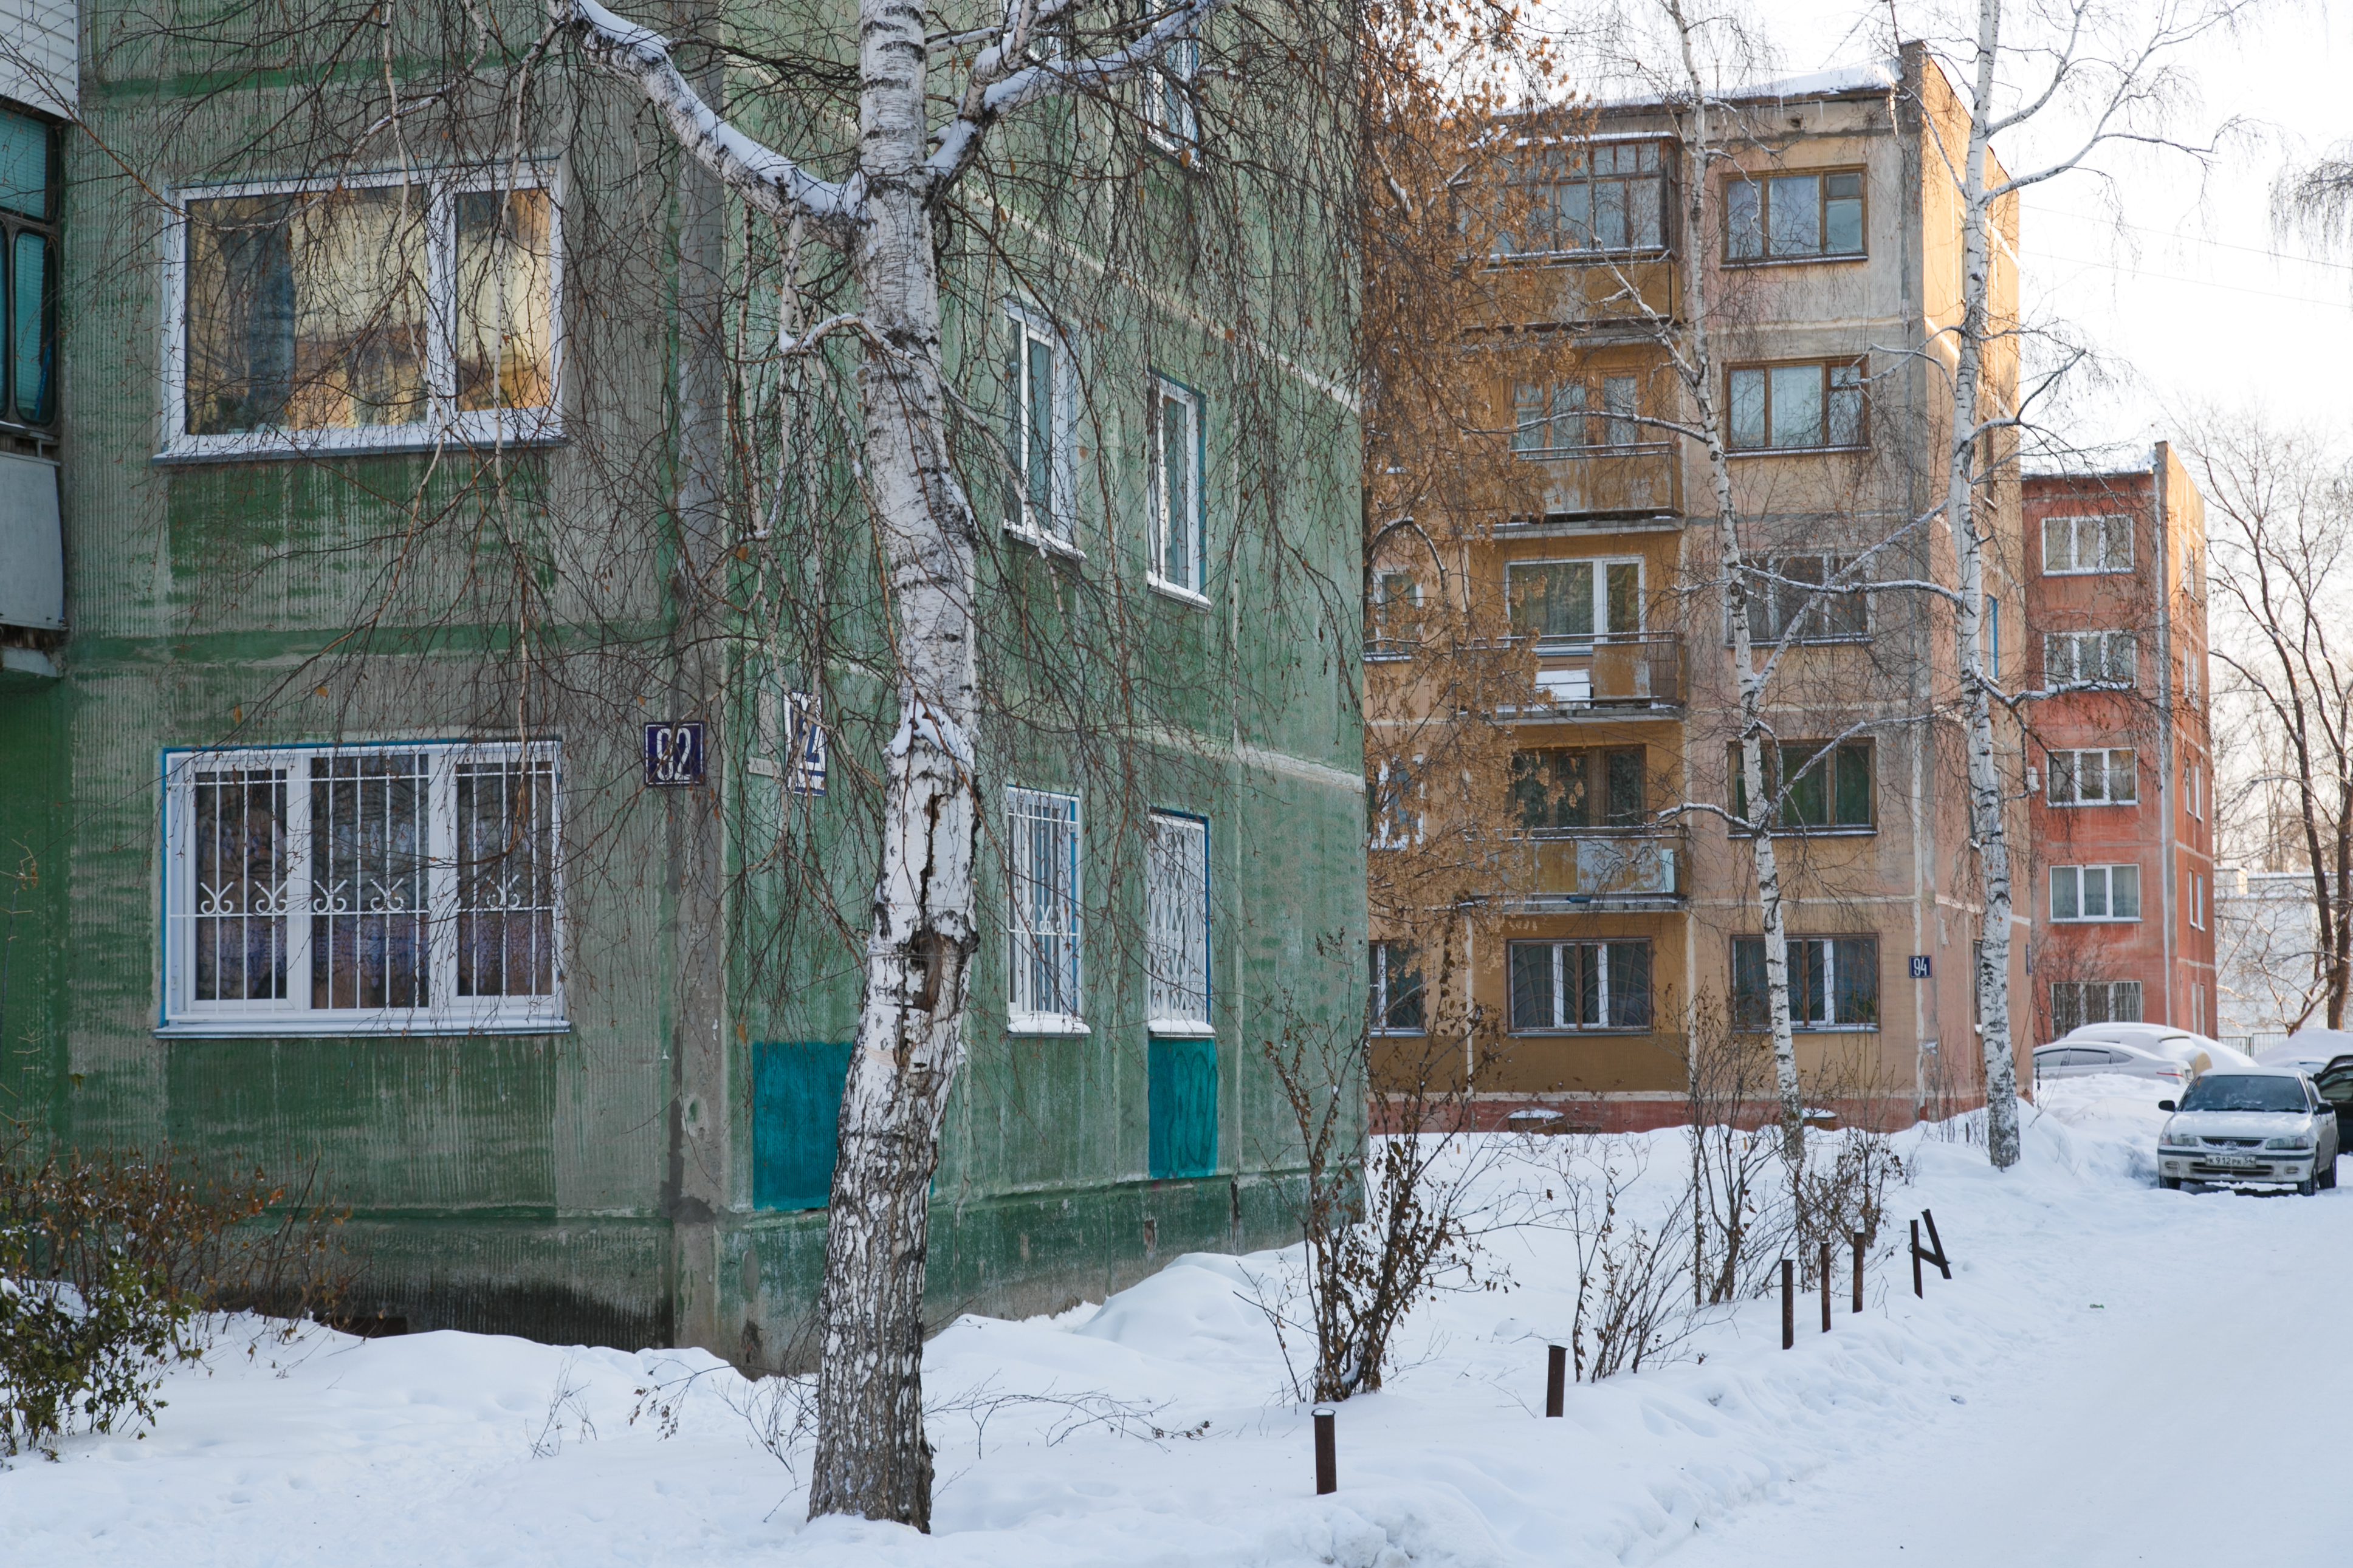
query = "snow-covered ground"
{"x": 2114, "y": 1374}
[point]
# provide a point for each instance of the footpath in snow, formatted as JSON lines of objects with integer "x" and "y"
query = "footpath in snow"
{"x": 2114, "y": 1374}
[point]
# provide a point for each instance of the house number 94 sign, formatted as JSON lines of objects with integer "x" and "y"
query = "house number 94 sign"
{"x": 674, "y": 754}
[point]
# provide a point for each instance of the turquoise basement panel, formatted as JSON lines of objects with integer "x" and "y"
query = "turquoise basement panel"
{"x": 796, "y": 1121}
{"x": 1183, "y": 1090}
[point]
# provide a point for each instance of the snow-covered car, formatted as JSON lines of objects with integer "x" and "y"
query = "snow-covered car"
{"x": 2199, "y": 1053}
{"x": 2262, "y": 1124}
{"x": 2072, "y": 1058}
{"x": 2307, "y": 1050}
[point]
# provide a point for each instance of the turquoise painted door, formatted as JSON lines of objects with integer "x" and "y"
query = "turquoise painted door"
{"x": 796, "y": 1121}
{"x": 1182, "y": 1092}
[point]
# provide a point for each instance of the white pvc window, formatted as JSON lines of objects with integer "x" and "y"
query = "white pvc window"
{"x": 1171, "y": 109}
{"x": 1400, "y": 1006}
{"x": 1040, "y": 425}
{"x": 1042, "y": 925}
{"x": 2097, "y": 776}
{"x": 2075, "y": 545}
{"x": 1177, "y": 921}
{"x": 2094, "y": 893}
{"x": 371, "y": 313}
{"x": 1175, "y": 488}
{"x": 398, "y": 888}
{"x": 2072, "y": 659}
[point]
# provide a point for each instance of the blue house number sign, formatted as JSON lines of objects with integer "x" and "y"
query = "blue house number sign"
{"x": 674, "y": 754}
{"x": 1919, "y": 966}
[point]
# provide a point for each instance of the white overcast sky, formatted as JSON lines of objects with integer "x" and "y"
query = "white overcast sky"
{"x": 2197, "y": 299}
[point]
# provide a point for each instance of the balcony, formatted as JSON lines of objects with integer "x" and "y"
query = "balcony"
{"x": 1606, "y": 868}
{"x": 1610, "y": 675}
{"x": 1585, "y": 483}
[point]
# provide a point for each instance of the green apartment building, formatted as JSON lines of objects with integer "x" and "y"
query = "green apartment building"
{"x": 446, "y": 674}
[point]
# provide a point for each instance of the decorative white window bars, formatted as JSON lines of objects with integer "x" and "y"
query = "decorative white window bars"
{"x": 410, "y": 889}
{"x": 1176, "y": 919}
{"x": 2075, "y": 1003}
{"x": 369, "y": 313}
{"x": 1042, "y": 925}
{"x": 1175, "y": 488}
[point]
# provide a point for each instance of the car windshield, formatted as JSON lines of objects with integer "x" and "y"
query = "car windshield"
{"x": 2244, "y": 1091}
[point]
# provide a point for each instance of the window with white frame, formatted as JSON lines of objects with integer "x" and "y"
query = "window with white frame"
{"x": 2189, "y": 789}
{"x": 1177, "y": 922}
{"x": 1571, "y": 601}
{"x": 1834, "y": 983}
{"x": 1564, "y": 985}
{"x": 1041, "y": 915}
{"x": 2096, "y": 776}
{"x": 1991, "y": 638}
{"x": 2075, "y": 546}
{"x": 396, "y": 889}
{"x": 1392, "y": 805}
{"x": 1396, "y": 618}
{"x": 2197, "y": 901}
{"x": 1176, "y": 488}
{"x": 1172, "y": 112}
{"x": 1397, "y": 997}
{"x": 2075, "y": 1003}
{"x": 385, "y": 312}
{"x": 1039, "y": 418}
{"x": 2072, "y": 659}
{"x": 2094, "y": 893}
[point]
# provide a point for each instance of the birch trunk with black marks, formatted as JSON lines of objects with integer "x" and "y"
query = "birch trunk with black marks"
{"x": 1989, "y": 820}
{"x": 1698, "y": 370}
{"x": 871, "y": 1457}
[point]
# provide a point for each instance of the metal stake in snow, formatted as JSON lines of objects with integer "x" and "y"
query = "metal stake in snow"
{"x": 1327, "y": 1462}
{"x": 1917, "y": 1288}
{"x": 1555, "y": 1379}
{"x": 1857, "y": 1271}
{"x": 1826, "y": 1287}
{"x": 1789, "y": 1304}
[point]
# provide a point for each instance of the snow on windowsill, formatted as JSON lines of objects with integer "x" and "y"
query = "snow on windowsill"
{"x": 1181, "y": 1029}
{"x": 333, "y": 1026}
{"x": 1163, "y": 587}
{"x": 1045, "y": 1023}
{"x": 1046, "y": 543}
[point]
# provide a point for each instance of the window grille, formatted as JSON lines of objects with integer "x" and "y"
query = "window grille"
{"x": 2075, "y": 1003}
{"x": 1397, "y": 1001}
{"x": 1580, "y": 985}
{"x": 1042, "y": 920}
{"x": 1834, "y": 983}
{"x": 1176, "y": 899}
{"x": 407, "y": 889}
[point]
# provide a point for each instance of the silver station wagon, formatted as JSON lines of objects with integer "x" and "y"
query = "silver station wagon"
{"x": 2253, "y": 1124}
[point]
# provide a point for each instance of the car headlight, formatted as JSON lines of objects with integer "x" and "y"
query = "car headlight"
{"x": 2177, "y": 1141}
{"x": 2297, "y": 1141}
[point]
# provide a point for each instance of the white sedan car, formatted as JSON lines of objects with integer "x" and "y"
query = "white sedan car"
{"x": 2072, "y": 1057}
{"x": 2264, "y": 1125}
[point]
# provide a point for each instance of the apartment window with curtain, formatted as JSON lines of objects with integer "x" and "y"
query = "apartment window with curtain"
{"x": 2076, "y": 546}
{"x": 1795, "y": 407}
{"x": 2093, "y": 776}
{"x": 375, "y": 312}
{"x": 1789, "y": 603}
{"x": 2072, "y": 659}
{"x": 1176, "y": 923}
{"x": 404, "y": 889}
{"x": 2096, "y": 893}
{"x": 1793, "y": 217}
{"x": 1043, "y": 926}
{"x": 1821, "y": 786}
{"x": 1834, "y": 983}
{"x": 1396, "y": 1001}
{"x": 1572, "y": 985}
{"x": 1557, "y": 790}
{"x": 1571, "y": 601}
{"x": 1602, "y": 195}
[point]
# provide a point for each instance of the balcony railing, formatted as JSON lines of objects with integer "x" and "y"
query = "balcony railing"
{"x": 1624, "y": 671}
{"x": 1582, "y": 481}
{"x": 1637, "y": 866}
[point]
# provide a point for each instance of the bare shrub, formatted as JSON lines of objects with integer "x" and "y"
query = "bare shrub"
{"x": 1631, "y": 1273}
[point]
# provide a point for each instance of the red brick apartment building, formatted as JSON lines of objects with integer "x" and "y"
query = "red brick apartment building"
{"x": 2123, "y": 861}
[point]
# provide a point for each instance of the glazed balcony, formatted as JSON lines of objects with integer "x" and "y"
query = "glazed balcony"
{"x": 1611, "y": 674}
{"x": 1583, "y": 483}
{"x": 1603, "y": 868}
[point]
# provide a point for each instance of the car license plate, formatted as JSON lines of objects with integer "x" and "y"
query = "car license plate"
{"x": 2236, "y": 1161}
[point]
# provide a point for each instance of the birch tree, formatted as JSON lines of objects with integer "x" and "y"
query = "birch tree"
{"x": 872, "y": 1455}
{"x": 2109, "y": 78}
